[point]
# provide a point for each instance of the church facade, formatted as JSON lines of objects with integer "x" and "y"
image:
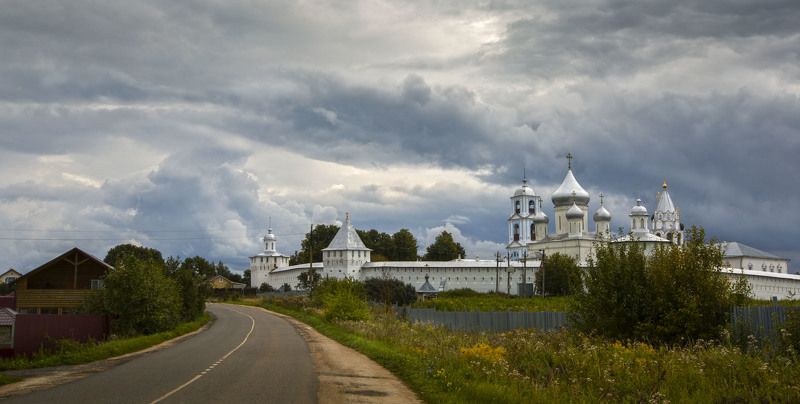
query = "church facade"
{"x": 530, "y": 237}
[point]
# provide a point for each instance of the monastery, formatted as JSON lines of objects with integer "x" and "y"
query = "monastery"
{"x": 529, "y": 239}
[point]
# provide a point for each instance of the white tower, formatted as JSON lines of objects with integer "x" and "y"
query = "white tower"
{"x": 602, "y": 221}
{"x": 575, "y": 218}
{"x": 346, "y": 253}
{"x": 639, "y": 221}
{"x": 666, "y": 221}
{"x": 521, "y": 228}
{"x": 563, "y": 200}
{"x": 266, "y": 261}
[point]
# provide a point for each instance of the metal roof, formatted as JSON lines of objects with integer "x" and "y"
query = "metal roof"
{"x": 346, "y": 238}
{"x": 737, "y": 249}
{"x": 664, "y": 203}
{"x": 563, "y": 195}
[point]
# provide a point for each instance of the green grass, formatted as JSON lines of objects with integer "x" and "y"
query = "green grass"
{"x": 497, "y": 302}
{"x": 67, "y": 352}
{"x": 5, "y": 379}
{"x": 529, "y": 366}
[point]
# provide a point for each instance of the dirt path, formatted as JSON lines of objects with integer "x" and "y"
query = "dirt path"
{"x": 346, "y": 375}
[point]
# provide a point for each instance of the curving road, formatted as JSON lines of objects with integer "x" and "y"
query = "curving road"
{"x": 247, "y": 355}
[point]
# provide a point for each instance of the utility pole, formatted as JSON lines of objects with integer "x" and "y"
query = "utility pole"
{"x": 497, "y": 274}
{"x": 524, "y": 273}
{"x": 508, "y": 273}
{"x": 541, "y": 266}
{"x": 311, "y": 257}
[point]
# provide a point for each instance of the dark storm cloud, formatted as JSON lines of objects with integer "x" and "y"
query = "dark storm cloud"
{"x": 703, "y": 93}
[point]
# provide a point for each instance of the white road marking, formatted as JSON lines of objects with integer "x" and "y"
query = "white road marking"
{"x": 201, "y": 374}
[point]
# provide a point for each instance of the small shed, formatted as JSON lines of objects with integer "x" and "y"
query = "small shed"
{"x": 221, "y": 282}
{"x": 426, "y": 290}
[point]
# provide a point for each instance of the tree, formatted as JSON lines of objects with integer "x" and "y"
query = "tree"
{"x": 444, "y": 248}
{"x": 285, "y": 288}
{"x": 138, "y": 297}
{"x": 405, "y": 246}
{"x": 560, "y": 274}
{"x": 677, "y": 295}
{"x": 200, "y": 266}
{"x": 308, "y": 280}
{"x": 380, "y": 243}
{"x": 266, "y": 287}
{"x": 322, "y": 236}
{"x": 142, "y": 253}
{"x": 246, "y": 277}
{"x": 193, "y": 291}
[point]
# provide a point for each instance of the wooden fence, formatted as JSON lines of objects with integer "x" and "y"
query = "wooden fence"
{"x": 33, "y": 331}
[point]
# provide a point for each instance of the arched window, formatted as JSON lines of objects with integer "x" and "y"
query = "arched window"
{"x": 516, "y": 231}
{"x": 531, "y": 206}
{"x": 516, "y": 207}
{"x": 533, "y": 232}
{"x": 641, "y": 223}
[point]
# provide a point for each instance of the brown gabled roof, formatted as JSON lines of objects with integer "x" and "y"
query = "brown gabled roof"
{"x": 62, "y": 256}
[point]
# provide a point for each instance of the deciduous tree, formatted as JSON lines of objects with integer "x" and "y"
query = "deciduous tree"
{"x": 444, "y": 248}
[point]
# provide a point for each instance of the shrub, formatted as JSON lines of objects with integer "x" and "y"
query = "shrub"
{"x": 390, "y": 291}
{"x": 463, "y": 292}
{"x": 266, "y": 287}
{"x": 677, "y": 295}
{"x": 139, "y": 297}
{"x": 342, "y": 299}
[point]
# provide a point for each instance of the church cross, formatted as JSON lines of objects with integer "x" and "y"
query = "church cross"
{"x": 569, "y": 161}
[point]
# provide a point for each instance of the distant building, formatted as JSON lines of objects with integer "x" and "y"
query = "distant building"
{"x": 9, "y": 276}
{"x": 221, "y": 282}
{"x": 266, "y": 261}
{"x": 530, "y": 236}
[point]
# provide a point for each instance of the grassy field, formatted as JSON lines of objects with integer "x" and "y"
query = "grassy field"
{"x": 69, "y": 352}
{"x": 529, "y": 366}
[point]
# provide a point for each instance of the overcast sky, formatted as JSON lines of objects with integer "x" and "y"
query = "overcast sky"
{"x": 185, "y": 125}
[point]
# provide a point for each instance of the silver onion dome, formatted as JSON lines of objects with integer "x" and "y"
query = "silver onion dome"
{"x": 574, "y": 212}
{"x": 563, "y": 195}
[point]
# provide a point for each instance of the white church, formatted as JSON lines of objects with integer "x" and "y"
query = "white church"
{"x": 529, "y": 236}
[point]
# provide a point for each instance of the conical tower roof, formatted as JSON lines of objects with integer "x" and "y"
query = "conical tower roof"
{"x": 665, "y": 201}
{"x": 346, "y": 238}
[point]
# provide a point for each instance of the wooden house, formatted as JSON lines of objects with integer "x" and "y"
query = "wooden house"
{"x": 62, "y": 285}
{"x": 9, "y": 276}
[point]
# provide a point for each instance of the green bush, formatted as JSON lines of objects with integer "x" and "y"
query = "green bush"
{"x": 677, "y": 295}
{"x": 390, "y": 291}
{"x": 463, "y": 292}
{"x": 342, "y": 299}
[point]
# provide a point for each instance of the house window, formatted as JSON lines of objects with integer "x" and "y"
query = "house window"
{"x": 516, "y": 231}
{"x": 97, "y": 284}
{"x": 531, "y": 206}
{"x": 516, "y": 207}
{"x": 11, "y": 279}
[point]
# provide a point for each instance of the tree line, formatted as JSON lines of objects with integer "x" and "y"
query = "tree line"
{"x": 400, "y": 246}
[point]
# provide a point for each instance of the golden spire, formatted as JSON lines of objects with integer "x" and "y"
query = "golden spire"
{"x": 664, "y": 185}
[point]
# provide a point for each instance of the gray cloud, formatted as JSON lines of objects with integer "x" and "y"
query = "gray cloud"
{"x": 146, "y": 116}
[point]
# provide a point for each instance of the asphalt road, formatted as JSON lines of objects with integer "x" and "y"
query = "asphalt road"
{"x": 247, "y": 355}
